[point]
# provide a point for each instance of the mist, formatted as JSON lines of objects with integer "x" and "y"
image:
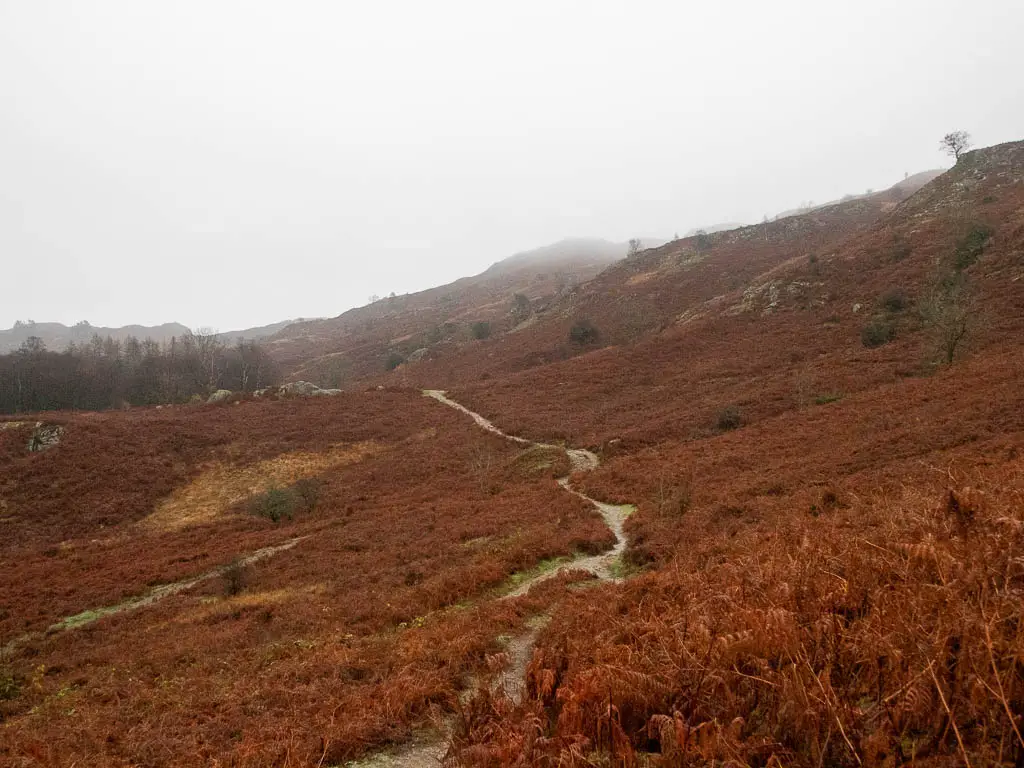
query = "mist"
{"x": 230, "y": 164}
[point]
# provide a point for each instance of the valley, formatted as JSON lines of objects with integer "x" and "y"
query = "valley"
{"x": 753, "y": 497}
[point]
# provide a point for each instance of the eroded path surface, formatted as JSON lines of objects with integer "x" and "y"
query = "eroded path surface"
{"x": 429, "y": 750}
{"x": 580, "y": 460}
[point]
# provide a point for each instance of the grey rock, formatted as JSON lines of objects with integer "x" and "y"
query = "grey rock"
{"x": 418, "y": 355}
{"x": 220, "y": 396}
{"x": 45, "y": 437}
{"x": 299, "y": 388}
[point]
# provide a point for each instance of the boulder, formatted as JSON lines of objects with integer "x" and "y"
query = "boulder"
{"x": 45, "y": 437}
{"x": 220, "y": 396}
{"x": 299, "y": 388}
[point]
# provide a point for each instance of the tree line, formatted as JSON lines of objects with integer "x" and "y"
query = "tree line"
{"x": 108, "y": 373}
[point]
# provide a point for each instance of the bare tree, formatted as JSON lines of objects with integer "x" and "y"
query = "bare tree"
{"x": 955, "y": 144}
{"x": 949, "y": 311}
{"x": 208, "y": 347}
{"x": 252, "y": 364}
{"x": 635, "y": 246}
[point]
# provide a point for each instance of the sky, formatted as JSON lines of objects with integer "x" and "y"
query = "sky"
{"x": 228, "y": 163}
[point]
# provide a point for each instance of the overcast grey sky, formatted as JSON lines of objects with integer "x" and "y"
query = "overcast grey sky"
{"x": 235, "y": 163}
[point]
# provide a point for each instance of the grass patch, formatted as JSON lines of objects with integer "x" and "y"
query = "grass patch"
{"x": 623, "y": 568}
{"x": 518, "y": 578}
{"x": 223, "y": 486}
{"x": 832, "y": 397}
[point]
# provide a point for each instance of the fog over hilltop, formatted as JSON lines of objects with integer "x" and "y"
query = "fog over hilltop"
{"x": 231, "y": 164}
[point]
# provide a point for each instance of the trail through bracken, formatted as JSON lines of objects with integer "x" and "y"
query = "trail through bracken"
{"x": 427, "y": 751}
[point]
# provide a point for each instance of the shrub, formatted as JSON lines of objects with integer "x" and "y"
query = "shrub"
{"x": 894, "y": 301}
{"x": 831, "y": 397}
{"x": 674, "y": 499}
{"x": 481, "y": 329}
{"x": 583, "y": 332}
{"x": 900, "y": 248}
{"x": 308, "y": 491}
{"x": 9, "y": 688}
{"x": 970, "y": 247}
{"x": 393, "y": 360}
{"x": 730, "y": 417}
{"x": 234, "y": 578}
{"x": 703, "y": 241}
{"x": 277, "y": 504}
{"x": 877, "y": 333}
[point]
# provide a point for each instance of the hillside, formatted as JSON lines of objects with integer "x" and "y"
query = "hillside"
{"x": 364, "y": 342}
{"x": 768, "y": 510}
{"x": 794, "y": 305}
{"x": 809, "y": 496}
{"x": 656, "y": 290}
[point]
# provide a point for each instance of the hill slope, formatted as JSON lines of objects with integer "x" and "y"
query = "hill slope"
{"x": 363, "y": 342}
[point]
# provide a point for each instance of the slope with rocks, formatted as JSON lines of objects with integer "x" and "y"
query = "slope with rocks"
{"x": 660, "y": 288}
{"x": 364, "y": 342}
{"x": 829, "y": 521}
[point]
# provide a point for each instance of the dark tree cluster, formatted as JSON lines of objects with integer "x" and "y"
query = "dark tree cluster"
{"x": 107, "y": 373}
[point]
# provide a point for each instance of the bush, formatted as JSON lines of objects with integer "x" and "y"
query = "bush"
{"x": 583, "y": 332}
{"x": 730, "y": 417}
{"x": 234, "y": 578}
{"x": 894, "y": 301}
{"x": 9, "y": 688}
{"x": 970, "y": 247}
{"x": 308, "y": 491}
{"x": 674, "y": 499}
{"x": 877, "y": 333}
{"x": 830, "y": 397}
{"x": 393, "y": 360}
{"x": 703, "y": 241}
{"x": 481, "y": 329}
{"x": 900, "y": 248}
{"x": 277, "y": 504}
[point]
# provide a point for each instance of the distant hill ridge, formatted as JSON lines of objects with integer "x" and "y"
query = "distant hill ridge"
{"x": 57, "y": 336}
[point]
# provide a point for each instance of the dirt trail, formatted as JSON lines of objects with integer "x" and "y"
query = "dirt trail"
{"x": 154, "y": 595}
{"x": 429, "y": 750}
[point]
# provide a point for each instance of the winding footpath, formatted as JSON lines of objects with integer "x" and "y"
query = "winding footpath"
{"x": 424, "y": 751}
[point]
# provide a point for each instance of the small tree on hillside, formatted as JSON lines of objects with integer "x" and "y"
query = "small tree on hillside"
{"x": 635, "y": 246}
{"x": 583, "y": 332}
{"x": 521, "y": 308}
{"x": 955, "y": 144}
{"x": 703, "y": 241}
{"x": 948, "y": 311}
